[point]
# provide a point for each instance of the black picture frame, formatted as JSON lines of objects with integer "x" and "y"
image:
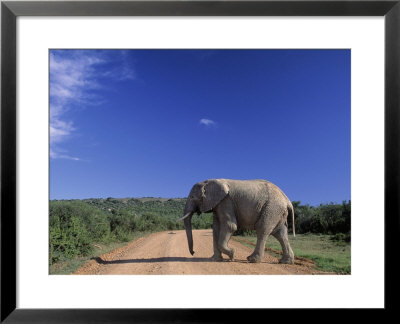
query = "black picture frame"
{"x": 10, "y": 10}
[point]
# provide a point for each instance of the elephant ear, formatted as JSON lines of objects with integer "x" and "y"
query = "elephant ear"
{"x": 213, "y": 192}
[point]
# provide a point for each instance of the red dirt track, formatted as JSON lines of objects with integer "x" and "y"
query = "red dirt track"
{"x": 167, "y": 253}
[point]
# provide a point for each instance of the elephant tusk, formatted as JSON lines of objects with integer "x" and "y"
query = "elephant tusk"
{"x": 186, "y": 216}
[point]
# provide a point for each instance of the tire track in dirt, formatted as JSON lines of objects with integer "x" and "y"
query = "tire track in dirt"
{"x": 167, "y": 253}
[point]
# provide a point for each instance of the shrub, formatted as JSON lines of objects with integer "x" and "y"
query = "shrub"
{"x": 241, "y": 231}
{"x": 73, "y": 225}
{"x": 202, "y": 221}
{"x": 68, "y": 238}
{"x": 150, "y": 222}
{"x": 341, "y": 237}
{"x": 325, "y": 218}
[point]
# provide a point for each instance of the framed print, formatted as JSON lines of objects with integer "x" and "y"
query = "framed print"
{"x": 106, "y": 105}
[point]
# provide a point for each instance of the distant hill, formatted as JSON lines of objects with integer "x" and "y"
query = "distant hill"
{"x": 138, "y": 206}
{"x": 145, "y": 199}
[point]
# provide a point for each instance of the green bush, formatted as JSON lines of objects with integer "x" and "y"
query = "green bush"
{"x": 324, "y": 219}
{"x": 319, "y": 224}
{"x": 68, "y": 238}
{"x": 341, "y": 237}
{"x": 202, "y": 221}
{"x": 244, "y": 232}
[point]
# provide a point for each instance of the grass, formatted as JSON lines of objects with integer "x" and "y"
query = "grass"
{"x": 328, "y": 255}
{"x": 69, "y": 266}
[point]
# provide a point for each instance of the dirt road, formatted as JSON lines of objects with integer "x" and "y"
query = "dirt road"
{"x": 167, "y": 253}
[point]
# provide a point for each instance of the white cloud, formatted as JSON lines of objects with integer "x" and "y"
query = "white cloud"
{"x": 59, "y": 130}
{"x": 123, "y": 71}
{"x": 55, "y": 155}
{"x": 207, "y": 122}
{"x": 74, "y": 75}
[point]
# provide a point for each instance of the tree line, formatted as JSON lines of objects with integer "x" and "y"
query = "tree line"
{"x": 76, "y": 225}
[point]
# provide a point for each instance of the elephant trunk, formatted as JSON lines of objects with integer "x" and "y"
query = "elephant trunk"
{"x": 188, "y": 227}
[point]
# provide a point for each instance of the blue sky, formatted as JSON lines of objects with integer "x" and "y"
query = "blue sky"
{"x": 140, "y": 123}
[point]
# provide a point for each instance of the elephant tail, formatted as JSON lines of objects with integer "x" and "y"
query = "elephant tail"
{"x": 291, "y": 212}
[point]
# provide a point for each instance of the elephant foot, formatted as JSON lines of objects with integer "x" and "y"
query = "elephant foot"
{"x": 217, "y": 258}
{"x": 286, "y": 260}
{"x": 254, "y": 259}
{"x": 232, "y": 255}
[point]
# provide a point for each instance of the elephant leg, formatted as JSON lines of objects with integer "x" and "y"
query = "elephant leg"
{"x": 281, "y": 234}
{"x": 217, "y": 253}
{"x": 224, "y": 238}
{"x": 225, "y": 232}
{"x": 258, "y": 252}
{"x": 264, "y": 227}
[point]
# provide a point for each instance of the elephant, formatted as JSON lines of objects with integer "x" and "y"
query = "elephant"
{"x": 249, "y": 204}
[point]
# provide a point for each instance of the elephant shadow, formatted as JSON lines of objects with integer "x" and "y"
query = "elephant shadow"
{"x": 151, "y": 260}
